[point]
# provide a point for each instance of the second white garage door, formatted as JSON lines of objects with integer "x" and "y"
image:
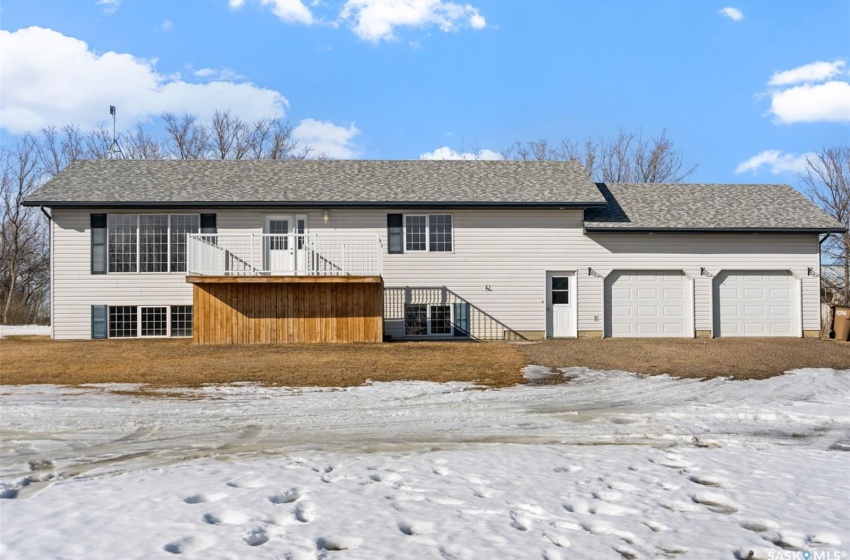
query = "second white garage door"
{"x": 648, "y": 304}
{"x": 755, "y": 303}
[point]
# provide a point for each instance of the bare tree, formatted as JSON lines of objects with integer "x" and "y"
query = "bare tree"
{"x": 231, "y": 136}
{"x": 24, "y": 252}
{"x": 140, "y": 144}
{"x": 185, "y": 137}
{"x": 625, "y": 158}
{"x": 281, "y": 145}
{"x": 98, "y": 141}
{"x": 60, "y": 147}
{"x": 827, "y": 182}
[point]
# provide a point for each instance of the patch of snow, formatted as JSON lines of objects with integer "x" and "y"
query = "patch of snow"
{"x": 606, "y": 466}
{"x": 24, "y": 330}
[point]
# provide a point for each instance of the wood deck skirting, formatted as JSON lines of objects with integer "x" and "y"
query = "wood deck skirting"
{"x": 287, "y": 309}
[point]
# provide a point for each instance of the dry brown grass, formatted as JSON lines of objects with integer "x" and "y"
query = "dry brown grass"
{"x": 180, "y": 363}
{"x": 741, "y": 358}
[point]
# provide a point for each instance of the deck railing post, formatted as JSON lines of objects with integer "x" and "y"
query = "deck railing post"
{"x": 252, "y": 265}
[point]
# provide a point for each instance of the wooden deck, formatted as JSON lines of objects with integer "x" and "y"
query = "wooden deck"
{"x": 287, "y": 309}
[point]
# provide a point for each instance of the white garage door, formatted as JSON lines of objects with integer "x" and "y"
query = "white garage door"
{"x": 648, "y": 304}
{"x": 759, "y": 303}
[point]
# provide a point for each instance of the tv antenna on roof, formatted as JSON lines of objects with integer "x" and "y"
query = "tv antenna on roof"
{"x": 114, "y": 148}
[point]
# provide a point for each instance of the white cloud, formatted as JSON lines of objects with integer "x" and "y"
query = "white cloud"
{"x": 167, "y": 25}
{"x": 447, "y": 153}
{"x": 221, "y": 74}
{"x": 289, "y": 11}
{"x": 816, "y": 92}
{"x": 828, "y": 102}
{"x": 109, "y": 6}
{"x": 732, "y": 13}
{"x": 776, "y": 162}
{"x": 326, "y": 139}
{"x": 815, "y": 72}
{"x": 49, "y": 78}
{"x": 376, "y": 20}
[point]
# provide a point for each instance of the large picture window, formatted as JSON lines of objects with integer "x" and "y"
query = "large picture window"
{"x": 429, "y": 232}
{"x": 149, "y": 242}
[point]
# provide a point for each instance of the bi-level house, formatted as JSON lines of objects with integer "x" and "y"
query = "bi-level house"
{"x": 288, "y": 251}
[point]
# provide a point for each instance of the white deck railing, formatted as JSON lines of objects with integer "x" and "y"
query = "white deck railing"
{"x": 247, "y": 254}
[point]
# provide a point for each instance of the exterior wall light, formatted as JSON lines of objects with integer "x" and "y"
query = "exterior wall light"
{"x": 326, "y": 216}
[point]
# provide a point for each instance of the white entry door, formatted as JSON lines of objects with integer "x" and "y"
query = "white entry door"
{"x": 561, "y": 304}
{"x": 284, "y": 246}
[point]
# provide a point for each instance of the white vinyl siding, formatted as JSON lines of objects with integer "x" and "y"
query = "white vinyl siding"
{"x": 508, "y": 251}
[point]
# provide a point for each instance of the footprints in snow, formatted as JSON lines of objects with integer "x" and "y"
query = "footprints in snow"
{"x": 204, "y": 498}
{"x": 291, "y": 495}
{"x": 303, "y": 512}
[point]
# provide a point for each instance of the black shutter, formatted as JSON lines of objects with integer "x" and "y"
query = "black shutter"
{"x": 98, "y": 243}
{"x": 461, "y": 319}
{"x": 395, "y": 234}
{"x": 208, "y": 224}
{"x": 98, "y": 321}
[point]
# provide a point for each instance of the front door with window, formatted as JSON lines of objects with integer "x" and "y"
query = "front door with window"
{"x": 560, "y": 305}
{"x": 284, "y": 244}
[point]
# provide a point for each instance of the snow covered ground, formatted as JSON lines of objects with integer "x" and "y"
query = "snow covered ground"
{"x": 21, "y": 330}
{"x": 609, "y": 465}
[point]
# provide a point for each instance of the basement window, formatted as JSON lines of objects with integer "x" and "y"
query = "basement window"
{"x": 123, "y": 322}
{"x": 130, "y": 321}
{"x": 154, "y": 321}
{"x": 425, "y": 320}
{"x": 181, "y": 320}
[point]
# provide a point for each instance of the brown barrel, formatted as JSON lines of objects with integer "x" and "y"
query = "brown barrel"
{"x": 841, "y": 323}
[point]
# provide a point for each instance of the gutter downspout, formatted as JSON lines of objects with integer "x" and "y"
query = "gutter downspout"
{"x": 50, "y": 264}
{"x": 820, "y": 281}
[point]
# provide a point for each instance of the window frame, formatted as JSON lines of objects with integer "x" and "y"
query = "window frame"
{"x": 428, "y": 320}
{"x": 138, "y": 310}
{"x": 427, "y": 217}
{"x": 406, "y": 233}
{"x": 166, "y": 321}
{"x": 168, "y": 233}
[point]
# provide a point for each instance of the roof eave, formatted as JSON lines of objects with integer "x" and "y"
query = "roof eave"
{"x": 626, "y": 229}
{"x": 307, "y": 204}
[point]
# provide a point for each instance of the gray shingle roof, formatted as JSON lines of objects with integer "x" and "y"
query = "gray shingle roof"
{"x": 657, "y": 206}
{"x": 355, "y": 183}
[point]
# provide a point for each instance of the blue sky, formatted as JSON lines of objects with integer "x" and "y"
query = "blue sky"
{"x": 732, "y": 81}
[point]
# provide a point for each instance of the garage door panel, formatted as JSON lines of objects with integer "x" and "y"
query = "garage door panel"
{"x": 646, "y": 311}
{"x": 756, "y": 304}
{"x": 621, "y": 311}
{"x": 754, "y": 329}
{"x": 648, "y": 304}
{"x": 650, "y": 294}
